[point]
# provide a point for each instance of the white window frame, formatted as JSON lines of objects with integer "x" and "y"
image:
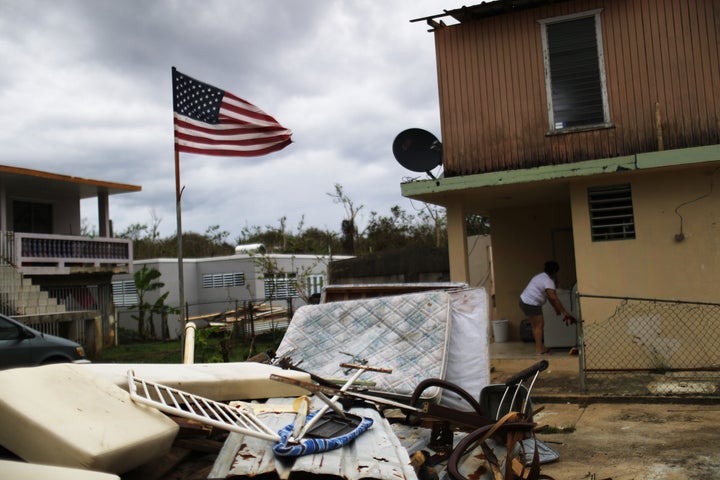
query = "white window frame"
{"x": 556, "y": 128}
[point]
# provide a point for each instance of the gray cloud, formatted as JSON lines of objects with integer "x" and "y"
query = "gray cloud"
{"x": 86, "y": 91}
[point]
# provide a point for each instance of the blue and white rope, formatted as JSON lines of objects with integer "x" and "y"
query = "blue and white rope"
{"x": 316, "y": 445}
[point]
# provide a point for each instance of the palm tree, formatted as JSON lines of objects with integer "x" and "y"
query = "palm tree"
{"x": 146, "y": 280}
{"x": 164, "y": 310}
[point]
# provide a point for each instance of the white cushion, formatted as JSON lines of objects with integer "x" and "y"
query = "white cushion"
{"x": 32, "y": 471}
{"x": 217, "y": 381}
{"x": 67, "y": 416}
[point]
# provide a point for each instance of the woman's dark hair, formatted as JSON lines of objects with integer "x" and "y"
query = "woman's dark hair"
{"x": 551, "y": 267}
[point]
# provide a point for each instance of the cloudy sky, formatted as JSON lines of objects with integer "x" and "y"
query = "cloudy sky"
{"x": 85, "y": 90}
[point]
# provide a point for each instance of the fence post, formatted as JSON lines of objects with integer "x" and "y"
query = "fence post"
{"x": 236, "y": 323}
{"x": 581, "y": 357}
{"x": 581, "y": 345}
{"x": 289, "y": 308}
{"x": 252, "y": 320}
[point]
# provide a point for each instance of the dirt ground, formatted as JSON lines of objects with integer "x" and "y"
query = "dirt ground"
{"x": 616, "y": 434}
{"x": 605, "y": 441}
{"x": 633, "y": 441}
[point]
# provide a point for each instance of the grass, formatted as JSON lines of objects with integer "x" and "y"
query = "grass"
{"x": 142, "y": 352}
{"x": 209, "y": 345}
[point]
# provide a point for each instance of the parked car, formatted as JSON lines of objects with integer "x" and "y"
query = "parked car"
{"x": 22, "y": 346}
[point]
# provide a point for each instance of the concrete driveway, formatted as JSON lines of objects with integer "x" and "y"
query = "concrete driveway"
{"x": 632, "y": 441}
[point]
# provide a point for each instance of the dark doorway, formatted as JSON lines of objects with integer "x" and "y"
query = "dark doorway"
{"x": 29, "y": 217}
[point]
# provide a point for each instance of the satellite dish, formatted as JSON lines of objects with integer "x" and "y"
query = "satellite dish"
{"x": 417, "y": 150}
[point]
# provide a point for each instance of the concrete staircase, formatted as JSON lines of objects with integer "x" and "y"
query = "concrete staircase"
{"x": 21, "y": 297}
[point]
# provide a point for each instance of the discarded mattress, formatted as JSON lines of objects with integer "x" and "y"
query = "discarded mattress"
{"x": 217, "y": 381}
{"x": 32, "y": 471}
{"x": 469, "y": 355}
{"x": 406, "y": 333}
{"x": 67, "y": 416}
{"x": 410, "y": 334}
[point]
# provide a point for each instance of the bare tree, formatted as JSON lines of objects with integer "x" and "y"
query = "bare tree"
{"x": 349, "y": 224}
{"x": 154, "y": 225}
{"x": 283, "y": 235}
{"x": 216, "y": 236}
{"x": 134, "y": 232}
{"x": 437, "y": 217}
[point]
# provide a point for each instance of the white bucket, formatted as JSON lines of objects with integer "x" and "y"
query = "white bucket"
{"x": 500, "y": 330}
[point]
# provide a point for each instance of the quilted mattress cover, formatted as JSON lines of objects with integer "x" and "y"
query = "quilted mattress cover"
{"x": 406, "y": 333}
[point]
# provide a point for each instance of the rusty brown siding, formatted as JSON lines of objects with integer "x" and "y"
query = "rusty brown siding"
{"x": 662, "y": 60}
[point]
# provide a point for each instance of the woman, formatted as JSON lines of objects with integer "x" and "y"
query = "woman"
{"x": 540, "y": 289}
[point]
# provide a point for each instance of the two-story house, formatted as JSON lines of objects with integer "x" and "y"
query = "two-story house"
{"x": 52, "y": 277}
{"x": 588, "y": 131}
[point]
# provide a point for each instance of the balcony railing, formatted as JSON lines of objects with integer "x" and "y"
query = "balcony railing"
{"x": 33, "y": 253}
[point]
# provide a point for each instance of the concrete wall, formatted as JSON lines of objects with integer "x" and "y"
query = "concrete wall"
{"x": 66, "y": 216}
{"x": 480, "y": 262}
{"x": 202, "y": 300}
{"x": 655, "y": 264}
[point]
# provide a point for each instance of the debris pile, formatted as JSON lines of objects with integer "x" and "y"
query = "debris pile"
{"x": 390, "y": 388}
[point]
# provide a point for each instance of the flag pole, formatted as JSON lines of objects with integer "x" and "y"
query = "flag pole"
{"x": 178, "y": 212}
{"x": 178, "y": 196}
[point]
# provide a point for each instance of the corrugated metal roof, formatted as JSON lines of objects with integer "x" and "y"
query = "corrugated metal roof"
{"x": 375, "y": 454}
{"x": 484, "y": 10}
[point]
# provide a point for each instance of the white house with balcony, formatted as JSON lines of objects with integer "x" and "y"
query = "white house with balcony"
{"x": 51, "y": 276}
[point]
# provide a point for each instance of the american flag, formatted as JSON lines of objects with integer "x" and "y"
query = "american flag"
{"x": 211, "y": 121}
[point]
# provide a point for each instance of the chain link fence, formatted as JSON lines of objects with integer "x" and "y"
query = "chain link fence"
{"x": 639, "y": 346}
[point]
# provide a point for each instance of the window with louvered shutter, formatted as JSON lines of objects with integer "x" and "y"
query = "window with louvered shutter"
{"x": 574, "y": 72}
{"x": 223, "y": 280}
{"x": 280, "y": 286}
{"x": 124, "y": 293}
{"x": 611, "y": 213}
